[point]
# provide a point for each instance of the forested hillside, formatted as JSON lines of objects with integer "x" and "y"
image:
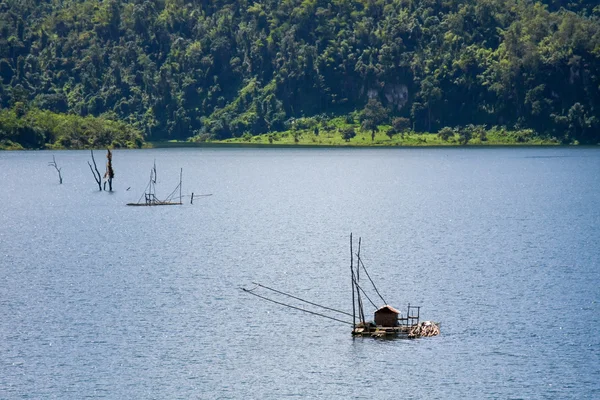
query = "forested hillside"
{"x": 215, "y": 69}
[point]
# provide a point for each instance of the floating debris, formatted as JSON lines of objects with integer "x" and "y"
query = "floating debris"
{"x": 424, "y": 329}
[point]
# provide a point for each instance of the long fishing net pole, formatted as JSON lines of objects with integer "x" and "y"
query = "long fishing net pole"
{"x": 365, "y": 293}
{"x": 299, "y": 299}
{"x": 372, "y": 283}
{"x": 353, "y": 283}
{"x": 170, "y": 197}
{"x": 361, "y": 309}
{"x": 296, "y": 308}
{"x": 146, "y": 190}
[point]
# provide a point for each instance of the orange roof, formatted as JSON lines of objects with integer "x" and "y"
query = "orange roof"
{"x": 392, "y": 309}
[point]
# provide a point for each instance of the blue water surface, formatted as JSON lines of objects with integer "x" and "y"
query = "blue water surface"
{"x": 101, "y": 300}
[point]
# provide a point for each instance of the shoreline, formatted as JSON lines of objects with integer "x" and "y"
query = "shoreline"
{"x": 361, "y": 141}
{"x": 349, "y": 146}
{"x": 249, "y": 145}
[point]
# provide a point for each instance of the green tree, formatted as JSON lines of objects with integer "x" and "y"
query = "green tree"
{"x": 373, "y": 115}
{"x": 464, "y": 135}
{"x": 445, "y": 133}
{"x": 221, "y": 68}
{"x": 348, "y": 133}
{"x": 400, "y": 124}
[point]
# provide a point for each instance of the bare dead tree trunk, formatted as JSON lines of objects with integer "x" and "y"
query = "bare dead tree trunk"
{"x": 95, "y": 172}
{"x": 110, "y": 173}
{"x": 53, "y": 164}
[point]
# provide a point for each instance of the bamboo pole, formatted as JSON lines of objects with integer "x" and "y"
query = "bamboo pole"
{"x": 361, "y": 310}
{"x": 366, "y": 295}
{"x": 360, "y": 262}
{"x": 352, "y": 274}
{"x": 299, "y": 299}
{"x": 294, "y": 307}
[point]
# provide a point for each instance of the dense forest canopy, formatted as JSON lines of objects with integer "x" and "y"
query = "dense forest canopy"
{"x": 215, "y": 69}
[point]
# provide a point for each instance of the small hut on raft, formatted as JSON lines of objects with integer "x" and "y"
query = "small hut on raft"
{"x": 387, "y": 320}
{"x": 386, "y": 316}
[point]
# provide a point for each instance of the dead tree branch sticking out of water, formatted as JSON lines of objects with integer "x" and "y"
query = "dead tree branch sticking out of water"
{"x": 110, "y": 173}
{"x": 53, "y": 164}
{"x": 95, "y": 172}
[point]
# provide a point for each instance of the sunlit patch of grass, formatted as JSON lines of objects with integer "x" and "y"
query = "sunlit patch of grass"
{"x": 329, "y": 133}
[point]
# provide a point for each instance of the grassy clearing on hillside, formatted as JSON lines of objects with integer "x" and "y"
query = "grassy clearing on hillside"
{"x": 330, "y": 133}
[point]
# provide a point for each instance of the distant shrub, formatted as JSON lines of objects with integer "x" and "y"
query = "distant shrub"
{"x": 483, "y": 135}
{"x": 400, "y": 124}
{"x": 523, "y": 135}
{"x": 445, "y": 133}
{"x": 348, "y": 133}
{"x": 465, "y": 134}
{"x": 306, "y": 123}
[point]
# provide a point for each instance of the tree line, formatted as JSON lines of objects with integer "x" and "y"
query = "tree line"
{"x": 175, "y": 69}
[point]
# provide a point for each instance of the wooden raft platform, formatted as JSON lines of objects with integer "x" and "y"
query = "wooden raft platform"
{"x": 161, "y": 203}
{"x": 423, "y": 329}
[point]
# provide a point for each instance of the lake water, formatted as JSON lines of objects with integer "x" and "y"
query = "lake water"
{"x": 101, "y": 300}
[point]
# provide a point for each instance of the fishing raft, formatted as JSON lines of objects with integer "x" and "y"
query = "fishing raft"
{"x": 149, "y": 195}
{"x": 388, "y": 322}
